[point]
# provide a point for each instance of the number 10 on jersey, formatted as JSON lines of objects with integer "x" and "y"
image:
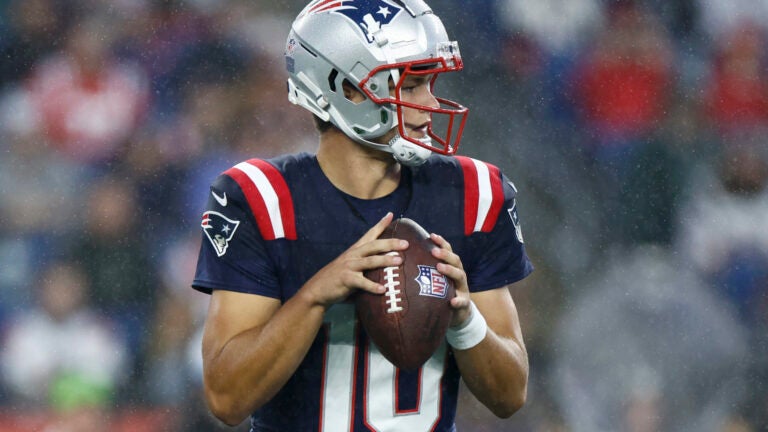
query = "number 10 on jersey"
{"x": 381, "y": 391}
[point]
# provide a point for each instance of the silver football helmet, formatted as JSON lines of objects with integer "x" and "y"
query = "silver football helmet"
{"x": 373, "y": 44}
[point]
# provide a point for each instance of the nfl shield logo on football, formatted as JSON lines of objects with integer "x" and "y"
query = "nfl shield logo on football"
{"x": 432, "y": 283}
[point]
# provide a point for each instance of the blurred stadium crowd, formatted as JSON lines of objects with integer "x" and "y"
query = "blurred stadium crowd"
{"x": 635, "y": 131}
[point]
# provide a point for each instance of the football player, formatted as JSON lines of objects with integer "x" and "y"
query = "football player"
{"x": 286, "y": 241}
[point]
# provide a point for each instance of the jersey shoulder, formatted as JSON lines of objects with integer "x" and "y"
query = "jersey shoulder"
{"x": 481, "y": 186}
{"x": 261, "y": 186}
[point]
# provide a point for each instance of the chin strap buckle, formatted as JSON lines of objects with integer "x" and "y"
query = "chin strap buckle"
{"x": 408, "y": 153}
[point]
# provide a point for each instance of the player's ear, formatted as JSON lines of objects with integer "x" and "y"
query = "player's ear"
{"x": 351, "y": 92}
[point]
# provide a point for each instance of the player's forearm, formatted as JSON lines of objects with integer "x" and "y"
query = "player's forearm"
{"x": 496, "y": 372}
{"x": 254, "y": 365}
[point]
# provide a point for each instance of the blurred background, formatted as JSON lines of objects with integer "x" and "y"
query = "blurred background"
{"x": 635, "y": 132}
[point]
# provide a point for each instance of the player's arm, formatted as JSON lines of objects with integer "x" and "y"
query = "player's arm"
{"x": 496, "y": 369}
{"x": 252, "y": 344}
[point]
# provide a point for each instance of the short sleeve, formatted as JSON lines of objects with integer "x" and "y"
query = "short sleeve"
{"x": 498, "y": 257}
{"x": 233, "y": 255}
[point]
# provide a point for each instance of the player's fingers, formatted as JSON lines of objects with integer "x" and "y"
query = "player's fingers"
{"x": 390, "y": 259}
{"x": 354, "y": 267}
{"x": 461, "y": 301}
{"x": 354, "y": 276}
{"x": 366, "y": 284}
{"x": 461, "y": 306}
{"x": 445, "y": 254}
{"x": 382, "y": 246}
{"x": 440, "y": 241}
{"x": 375, "y": 231}
{"x": 451, "y": 271}
{"x": 356, "y": 280}
{"x": 456, "y": 274}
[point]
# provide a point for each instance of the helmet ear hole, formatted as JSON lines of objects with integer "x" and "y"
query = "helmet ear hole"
{"x": 351, "y": 93}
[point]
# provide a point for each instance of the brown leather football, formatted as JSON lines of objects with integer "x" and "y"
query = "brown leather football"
{"x": 408, "y": 322}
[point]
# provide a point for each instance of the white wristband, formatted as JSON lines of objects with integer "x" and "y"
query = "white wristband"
{"x": 471, "y": 333}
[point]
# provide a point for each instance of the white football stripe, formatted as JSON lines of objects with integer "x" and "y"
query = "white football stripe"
{"x": 267, "y": 193}
{"x": 485, "y": 194}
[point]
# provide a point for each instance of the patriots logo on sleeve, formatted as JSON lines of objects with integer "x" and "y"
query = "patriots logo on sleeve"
{"x": 219, "y": 229}
{"x": 370, "y": 16}
{"x": 512, "y": 211}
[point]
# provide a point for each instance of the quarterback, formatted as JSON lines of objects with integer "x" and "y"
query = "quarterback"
{"x": 286, "y": 240}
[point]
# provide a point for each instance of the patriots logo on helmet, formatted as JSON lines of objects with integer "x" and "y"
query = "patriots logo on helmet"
{"x": 370, "y": 16}
{"x": 431, "y": 282}
{"x": 219, "y": 229}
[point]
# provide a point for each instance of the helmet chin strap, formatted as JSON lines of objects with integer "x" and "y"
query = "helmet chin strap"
{"x": 404, "y": 151}
{"x": 408, "y": 153}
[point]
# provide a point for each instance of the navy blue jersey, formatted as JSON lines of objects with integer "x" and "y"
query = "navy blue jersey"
{"x": 270, "y": 225}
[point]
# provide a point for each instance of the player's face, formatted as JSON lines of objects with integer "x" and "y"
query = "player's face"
{"x": 416, "y": 90}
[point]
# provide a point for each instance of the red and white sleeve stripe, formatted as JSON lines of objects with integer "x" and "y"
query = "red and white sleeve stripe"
{"x": 483, "y": 195}
{"x": 268, "y": 196}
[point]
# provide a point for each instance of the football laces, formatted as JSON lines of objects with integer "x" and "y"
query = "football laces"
{"x": 392, "y": 283}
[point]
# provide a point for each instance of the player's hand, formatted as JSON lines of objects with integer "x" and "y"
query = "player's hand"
{"x": 452, "y": 267}
{"x": 337, "y": 280}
